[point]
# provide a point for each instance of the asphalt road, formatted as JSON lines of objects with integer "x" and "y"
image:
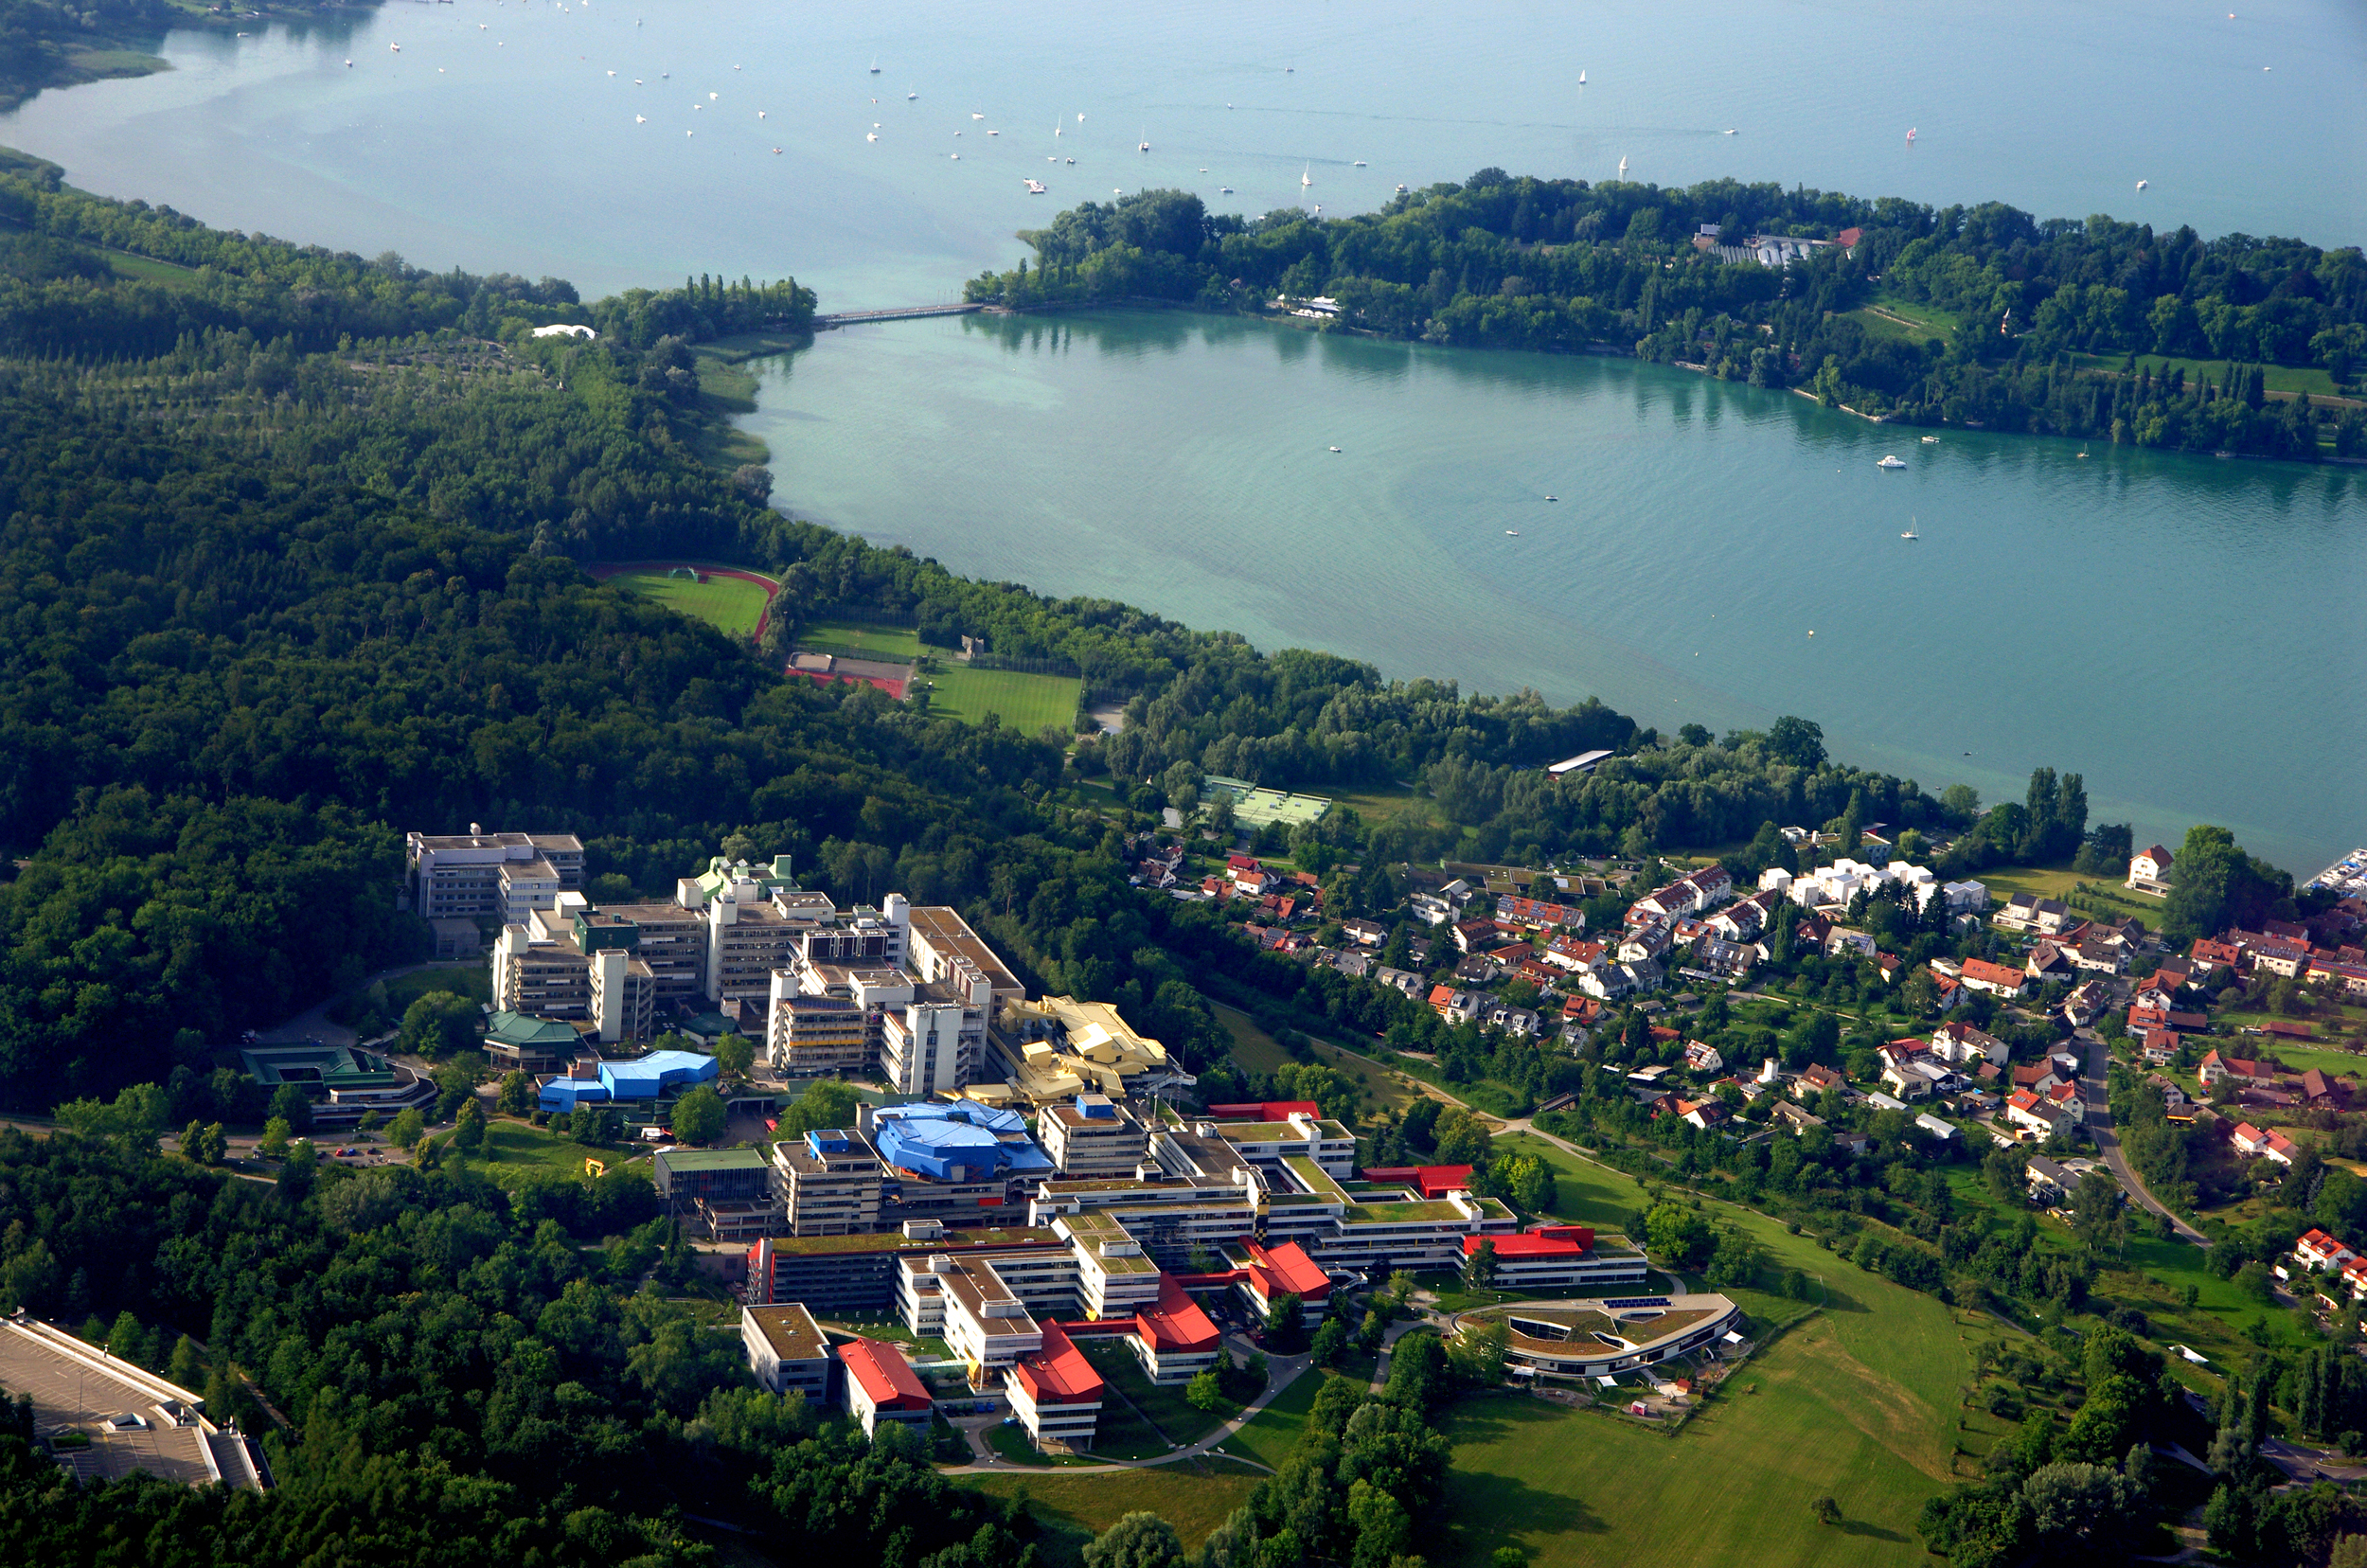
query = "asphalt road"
{"x": 2091, "y": 1088}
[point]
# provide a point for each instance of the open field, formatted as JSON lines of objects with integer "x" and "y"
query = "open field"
{"x": 728, "y": 603}
{"x": 1275, "y": 1430}
{"x": 1858, "y": 1403}
{"x": 1258, "y": 1051}
{"x": 516, "y": 1150}
{"x": 2286, "y": 378}
{"x": 1379, "y": 805}
{"x": 897, "y": 643}
{"x": 1162, "y": 1404}
{"x": 1865, "y": 1422}
{"x": 1027, "y": 703}
{"x": 1193, "y": 1497}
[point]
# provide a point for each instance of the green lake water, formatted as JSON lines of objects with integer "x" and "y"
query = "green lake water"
{"x": 2186, "y": 632}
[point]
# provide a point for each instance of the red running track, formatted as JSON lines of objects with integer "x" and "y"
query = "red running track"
{"x": 602, "y": 571}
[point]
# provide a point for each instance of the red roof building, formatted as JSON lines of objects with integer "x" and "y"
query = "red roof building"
{"x": 880, "y": 1385}
{"x": 1055, "y": 1393}
{"x": 1432, "y": 1181}
{"x": 1285, "y": 1270}
{"x": 1266, "y": 1111}
{"x": 1174, "y": 1339}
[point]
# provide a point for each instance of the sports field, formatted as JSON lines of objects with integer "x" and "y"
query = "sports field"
{"x": 1027, "y": 703}
{"x": 1254, "y": 806}
{"x": 1859, "y": 1404}
{"x": 732, "y": 604}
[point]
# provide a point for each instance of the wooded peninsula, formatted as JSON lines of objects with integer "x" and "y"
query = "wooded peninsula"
{"x": 1983, "y": 316}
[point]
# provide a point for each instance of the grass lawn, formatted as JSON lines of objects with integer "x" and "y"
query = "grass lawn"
{"x": 516, "y": 1150}
{"x": 2287, "y": 379}
{"x": 727, "y": 602}
{"x": 1258, "y": 1051}
{"x": 1857, "y": 1405}
{"x": 870, "y": 642}
{"x": 1275, "y": 1430}
{"x": 1027, "y": 703}
{"x": 1162, "y": 1404}
{"x": 1193, "y": 1497}
{"x": 1377, "y": 805}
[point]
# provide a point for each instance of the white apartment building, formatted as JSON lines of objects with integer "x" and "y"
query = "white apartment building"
{"x": 482, "y": 876}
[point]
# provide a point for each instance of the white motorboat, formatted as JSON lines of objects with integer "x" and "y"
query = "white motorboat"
{"x": 1891, "y": 462}
{"x": 1035, "y": 188}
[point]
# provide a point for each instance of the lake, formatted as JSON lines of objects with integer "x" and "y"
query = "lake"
{"x": 2182, "y": 630}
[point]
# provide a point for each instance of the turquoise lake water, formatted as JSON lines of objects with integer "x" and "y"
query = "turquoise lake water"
{"x": 2186, "y": 632}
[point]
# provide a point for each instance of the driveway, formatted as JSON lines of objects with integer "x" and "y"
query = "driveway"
{"x": 2108, "y": 1144}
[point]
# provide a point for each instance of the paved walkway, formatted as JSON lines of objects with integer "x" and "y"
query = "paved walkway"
{"x": 1284, "y": 1372}
{"x": 315, "y": 1022}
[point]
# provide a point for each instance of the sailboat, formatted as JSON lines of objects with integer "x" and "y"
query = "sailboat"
{"x": 1911, "y": 530}
{"x": 875, "y": 66}
{"x": 1144, "y": 144}
{"x": 1910, "y": 134}
{"x": 1623, "y": 166}
{"x": 1581, "y": 78}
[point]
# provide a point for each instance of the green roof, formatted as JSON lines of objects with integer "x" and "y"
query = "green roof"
{"x": 1317, "y": 1179}
{"x": 510, "y": 1028}
{"x": 714, "y": 1159}
{"x": 895, "y": 1240}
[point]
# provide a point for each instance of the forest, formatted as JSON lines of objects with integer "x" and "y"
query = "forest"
{"x": 1564, "y": 265}
{"x": 272, "y": 593}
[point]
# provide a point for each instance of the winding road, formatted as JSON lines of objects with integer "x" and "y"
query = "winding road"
{"x": 2091, "y": 1088}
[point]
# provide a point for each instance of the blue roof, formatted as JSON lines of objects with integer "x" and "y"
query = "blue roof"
{"x": 656, "y": 1073}
{"x": 956, "y": 1143}
{"x": 566, "y": 1094}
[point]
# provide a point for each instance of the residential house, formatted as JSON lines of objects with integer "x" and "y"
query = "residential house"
{"x": 1718, "y": 959}
{"x": 1815, "y": 1079}
{"x": 1706, "y": 1114}
{"x": 2049, "y": 1183}
{"x": 1455, "y": 1006}
{"x": 1743, "y": 919}
{"x": 1536, "y": 915}
{"x": 1841, "y": 940}
{"x": 2254, "y": 1143}
{"x": 1962, "y": 1042}
{"x": 1513, "y": 1021}
{"x": 2029, "y": 912}
{"x": 1474, "y": 935}
{"x": 1703, "y": 1058}
{"x": 2036, "y": 1114}
{"x": 1980, "y": 974}
{"x": 1405, "y": 981}
{"x": 2173, "y": 1097}
{"x": 1796, "y": 1118}
{"x": 1478, "y": 969}
{"x": 2319, "y": 1251}
{"x": 1369, "y": 933}
{"x": 2217, "y": 1069}
{"x": 2208, "y": 954}
{"x": 1645, "y": 942}
{"x": 1965, "y": 898}
{"x": 2149, "y": 870}
{"x": 2318, "y": 1089}
{"x": 2159, "y": 1046}
{"x": 2098, "y": 956}
{"x": 1430, "y": 908}
{"x": 1569, "y": 952}
{"x": 2048, "y": 961}
{"x": 2086, "y": 1003}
